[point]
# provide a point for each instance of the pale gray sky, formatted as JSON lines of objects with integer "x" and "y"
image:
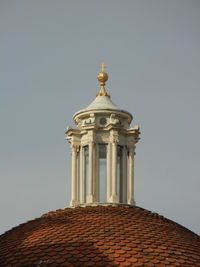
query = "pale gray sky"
{"x": 49, "y": 57}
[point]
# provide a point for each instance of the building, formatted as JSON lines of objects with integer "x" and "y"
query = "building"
{"x": 103, "y": 227}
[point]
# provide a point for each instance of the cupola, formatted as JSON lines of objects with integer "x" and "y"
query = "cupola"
{"x": 103, "y": 149}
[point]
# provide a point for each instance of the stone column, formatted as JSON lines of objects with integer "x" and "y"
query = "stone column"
{"x": 97, "y": 173}
{"x": 131, "y": 176}
{"x": 121, "y": 177}
{"x": 74, "y": 175}
{"x": 81, "y": 175}
{"x": 90, "y": 197}
{"x": 94, "y": 189}
{"x": 124, "y": 176}
{"x": 114, "y": 197}
{"x": 84, "y": 178}
{"x": 109, "y": 173}
{"x": 114, "y": 169}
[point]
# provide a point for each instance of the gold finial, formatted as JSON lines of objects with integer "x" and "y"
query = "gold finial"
{"x": 102, "y": 77}
{"x": 103, "y": 67}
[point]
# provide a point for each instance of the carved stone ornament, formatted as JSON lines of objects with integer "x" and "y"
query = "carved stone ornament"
{"x": 114, "y": 120}
{"x": 91, "y": 137}
{"x": 114, "y": 138}
{"x": 74, "y": 147}
{"x": 88, "y": 121}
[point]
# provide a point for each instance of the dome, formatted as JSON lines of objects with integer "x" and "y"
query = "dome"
{"x": 102, "y": 102}
{"x": 101, "y": 235}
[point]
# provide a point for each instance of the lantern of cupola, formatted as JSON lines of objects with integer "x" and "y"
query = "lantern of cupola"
{"x": 103, "y": 149}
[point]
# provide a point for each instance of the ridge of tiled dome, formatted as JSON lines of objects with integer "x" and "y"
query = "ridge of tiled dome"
{"x": 100, "y": 236}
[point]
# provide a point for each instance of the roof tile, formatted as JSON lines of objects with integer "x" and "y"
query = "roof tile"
{"x": 100, "y": 236}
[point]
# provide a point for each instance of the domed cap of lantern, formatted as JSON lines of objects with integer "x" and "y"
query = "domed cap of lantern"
{"x": 102, "y": 103}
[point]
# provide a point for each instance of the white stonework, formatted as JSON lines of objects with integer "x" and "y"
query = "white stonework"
{"x": 102, "y": 123}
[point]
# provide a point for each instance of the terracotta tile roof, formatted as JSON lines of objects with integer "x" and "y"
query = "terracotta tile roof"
{"x": 100, "y": 236}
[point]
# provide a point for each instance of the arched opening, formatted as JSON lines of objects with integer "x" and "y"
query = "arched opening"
{"x": 102, "y": 172}
{"x": 119, "y": 174}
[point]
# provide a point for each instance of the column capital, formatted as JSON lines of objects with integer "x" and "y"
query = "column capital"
{"x": 114, "y": 137}
{"x": 131, "y": 148}
{"x": 91, "y": 137}
{"x": 74, "y": 147}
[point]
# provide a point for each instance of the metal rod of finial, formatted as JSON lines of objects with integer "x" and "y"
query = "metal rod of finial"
{"x": 103, "y": 67}
{"x": 102, "y": 77}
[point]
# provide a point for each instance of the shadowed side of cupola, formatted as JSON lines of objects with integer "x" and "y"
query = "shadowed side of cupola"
{"x": 102, "y": 148}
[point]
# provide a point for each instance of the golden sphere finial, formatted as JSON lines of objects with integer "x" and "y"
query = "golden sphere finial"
{"x": 102, "y": 77}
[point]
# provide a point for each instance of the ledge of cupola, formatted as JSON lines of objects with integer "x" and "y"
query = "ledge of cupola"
{"x": 102, "y": 104}
{"x": 104, "y": 204}
{"x": 84, "y": 113}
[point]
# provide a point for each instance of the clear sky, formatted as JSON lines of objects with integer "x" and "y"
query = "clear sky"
{"x": 50, "y": 52}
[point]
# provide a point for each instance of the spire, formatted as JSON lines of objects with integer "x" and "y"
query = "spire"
{"x": 102, "y": 77}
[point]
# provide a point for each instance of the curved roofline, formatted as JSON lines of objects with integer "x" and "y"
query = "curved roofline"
{"x": 51, "y": 213}
{"x": 118, "y": 111}
{"x": 56, "y": 239}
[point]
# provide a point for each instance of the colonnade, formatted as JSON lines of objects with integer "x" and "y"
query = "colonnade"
{"x": 113, "y": 194}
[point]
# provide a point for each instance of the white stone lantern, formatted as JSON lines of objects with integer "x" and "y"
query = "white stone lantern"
{"x": 103, "y": 148}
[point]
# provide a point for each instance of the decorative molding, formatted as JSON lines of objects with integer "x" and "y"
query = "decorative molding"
{"x": 114, "y": 137}
{"x": 91, "y": 137}
{"x": 131, "y": 149}
{"x": 114, "y": 120}
{"x": 75, "y": 147}
{"x": 114, "y": 199}
{"x": 89, "y": 121}
{"x": 73, "y": 203}
{"x": 91, "y": 199}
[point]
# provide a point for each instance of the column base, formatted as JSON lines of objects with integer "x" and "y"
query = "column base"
{"x": 114, "y": 199}
{"x": 91, "y": 199}
{"x": 73, "y": 203}
{"x": 131, "y": 202}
